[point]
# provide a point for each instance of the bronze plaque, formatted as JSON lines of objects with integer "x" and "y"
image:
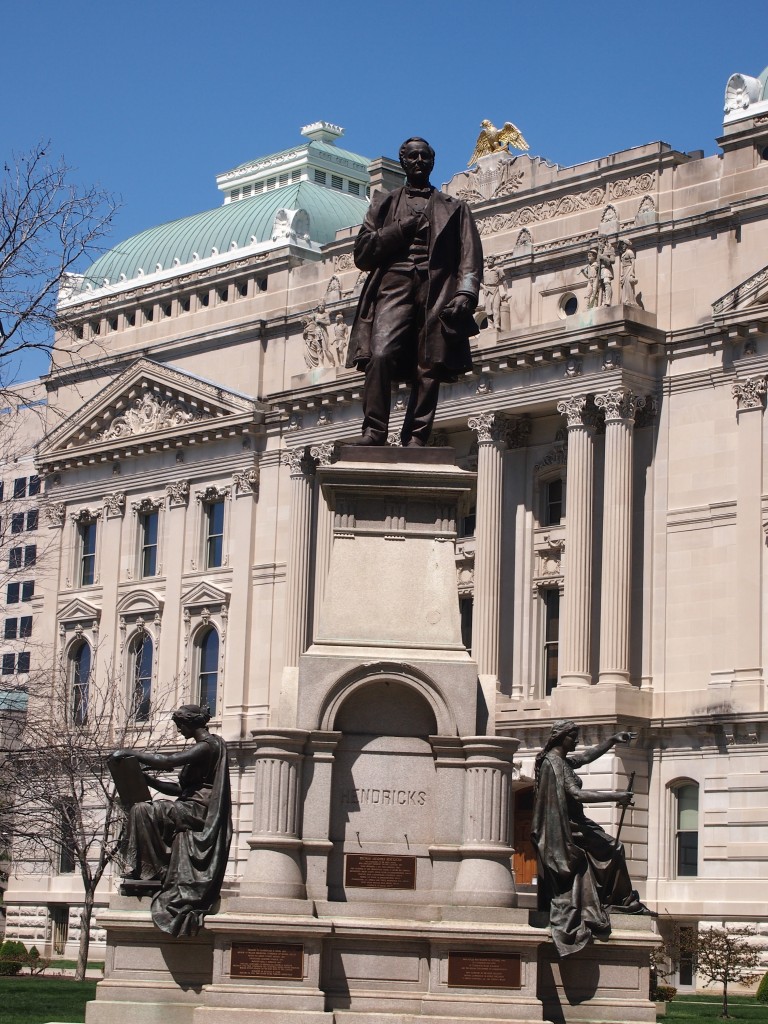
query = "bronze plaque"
{"x": 283, "y": 960}
{"x": 379, "y": 871}
{"x": 484, "y": 970}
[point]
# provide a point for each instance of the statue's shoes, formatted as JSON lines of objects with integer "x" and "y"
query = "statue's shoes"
{"x": 368, "y": 440}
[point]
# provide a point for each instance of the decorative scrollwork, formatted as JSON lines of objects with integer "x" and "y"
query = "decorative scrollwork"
{"x": 178, "y": 493}
{"x": 749, "y": 392}
{"x": 149, "y": 414}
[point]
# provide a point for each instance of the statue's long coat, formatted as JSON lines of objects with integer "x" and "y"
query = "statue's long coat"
{"x": 455, "y": 264}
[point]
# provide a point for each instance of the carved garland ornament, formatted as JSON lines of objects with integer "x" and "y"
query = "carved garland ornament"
{"x": 147, "y": 505}
{"x": 749, "y": 392}
{"x": 149, "y": 414}
{"x": 85, "y": 515}
{"x": 213, "y": 493}
{"x": 245, "y": 482}
{"x": 54, "y": 513}
{"x": 114, "y": 504}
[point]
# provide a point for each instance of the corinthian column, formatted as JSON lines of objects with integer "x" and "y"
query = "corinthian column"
{"x": 324, "y": 455}
{"x": 491, "y": 442}
{"x": 297, "y": 605}
{"x": 574, "y": 638}
{"x": 620, "y": 407}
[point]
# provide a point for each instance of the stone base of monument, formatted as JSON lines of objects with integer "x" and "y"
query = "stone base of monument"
{"x": 445, "y": 965}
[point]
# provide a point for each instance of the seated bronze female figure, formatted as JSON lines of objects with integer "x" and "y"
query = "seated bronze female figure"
{"x": 178, "y": 848}
{"x": 582, "y": 870}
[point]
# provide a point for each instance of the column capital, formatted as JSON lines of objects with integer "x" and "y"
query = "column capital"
{"x": 326, "y": 453}
{"x": 618, "y": 405}
{"x": 497, "y": 428}
{"x": 749, "y": 393}
{"x": 578, "y": 411}
{"x": 299, "y": 460}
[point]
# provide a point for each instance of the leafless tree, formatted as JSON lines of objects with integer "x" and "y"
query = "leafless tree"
{"x": 48, "y": 224}
{"x": 64, "y": 811}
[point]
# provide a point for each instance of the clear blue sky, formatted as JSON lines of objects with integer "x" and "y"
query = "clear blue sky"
{"x": 152, "y": 99}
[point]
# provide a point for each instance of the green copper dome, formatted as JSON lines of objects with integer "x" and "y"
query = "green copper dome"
{"x": 224, "y": 229}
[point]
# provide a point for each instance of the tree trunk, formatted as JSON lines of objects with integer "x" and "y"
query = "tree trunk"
{"x": 725, "y": 999}
{"x": 85, "y": 934}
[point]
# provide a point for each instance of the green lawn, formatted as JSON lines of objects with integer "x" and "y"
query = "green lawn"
{"x": 37, "y": 1000}
{"x": 692, "y": 1009}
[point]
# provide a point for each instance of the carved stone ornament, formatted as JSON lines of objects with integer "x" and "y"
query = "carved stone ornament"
{"x": 749, "y": 392}
{"x": 245, "y": 482}
{"x": 85, "y": 515}
{"x": 574, "y": 410}
{"x": 488, "y": 426}
{"x": 146, "y": 505}
{"x": 114, "y": 504}
{"x": 213, "y": 493}
{"x": 54, "y": 513}
{"x": 518, "y": 431}
{"x": 178, "y": 493}
{"x": 345, "y": 261}
{"x": 556, "y": 456}
{"x": 294, "y": 421}
{"x": 573, "y": 368}
{"x": 298, "y": 461}
{"x": 324, "y": 454}
{"x": 611, "y": 361}
{"x": 149, "y": 414}
{"x": 619, "y": 405}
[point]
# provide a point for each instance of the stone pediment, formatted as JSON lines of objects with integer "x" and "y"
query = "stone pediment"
{"x": 144, "y": 407}
{"x": 140, "y": 602}
{"x": 204, "y": 594}
{"x": 751, "y": 292}
{"x": 78, "y": 610}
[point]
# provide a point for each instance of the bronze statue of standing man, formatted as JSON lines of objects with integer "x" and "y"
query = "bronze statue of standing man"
{"x": 414, "y": 319}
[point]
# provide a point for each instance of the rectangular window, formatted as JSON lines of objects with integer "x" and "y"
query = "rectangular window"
{"x": 32, "y": 519}
{"x": 320, "y": 177}
{"x": 687, "y": 838}
{"x": 214, "y": 545}
{"x": 14, "y": 558}
{"x": 34, "y": 485}
{"x": 11, "y": 628}
{"x": 354, "y": 188}
{"x": 25, "y": 626}
{"x": 283, "y": 179}
{"x": 87, "y": 533}
{"x": 27, "y": 590}
{"x": 271, "y": 183}
{"x": 337, "y": 182}
{"x": 295, "y": 176}
{"x": 2, "y": 488}
{"x": 67, "y": 847}
{"x": 23, "y": 662}
{"x": 12, "y": 593}
{"x": 234, "y": 195}
{"x": 9, "y": 664}
{"x": 149, "y": 524}
{"x": 20, "y": 487}
{"x": 258, "y": 186}
{"x": 30, "y": 555}
{"x": 554, "y": 505}
{"x": 551, "y": 638}
{"x": 247, "y": 189}
{"x": 17, "y": 522}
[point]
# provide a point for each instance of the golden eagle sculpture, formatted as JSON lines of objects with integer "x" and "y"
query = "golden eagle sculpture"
{"x": 495, "y": 140}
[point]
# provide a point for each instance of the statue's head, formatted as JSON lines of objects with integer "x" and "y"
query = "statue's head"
{"x": 417, "y": 158}
{"x": 189, "y": 717}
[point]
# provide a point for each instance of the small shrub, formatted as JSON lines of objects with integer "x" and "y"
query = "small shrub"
{"x": 13, "y": 955}
{"x": 762, "y": 990}
{"x": 665, "y": 993}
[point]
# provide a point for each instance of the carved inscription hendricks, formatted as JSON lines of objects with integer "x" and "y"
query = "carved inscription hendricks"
{"x": 369, "y": 797}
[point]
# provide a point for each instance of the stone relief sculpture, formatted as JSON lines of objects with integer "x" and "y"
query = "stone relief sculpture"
{"x": 149, "y": 413}
{"x": 414, "y": 318}
{"x": 592, "y": 273}
{"x": 333, "y": 291}
{"x": 178, "y": 849}
{"x": 606, "y": 259}
{"x": 340, "y": 339}
{"x": 316, "y": 335}
{"x": 583, "y": 873}
{"x": 628, "y": 276}
{"x": 494, "y": 290}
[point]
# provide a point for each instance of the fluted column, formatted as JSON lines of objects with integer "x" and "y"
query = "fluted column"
{"x": 750, "y": 541}
{"x": 297, "y": 604}
{"x": 574, "y": 636}
{"x": 324, "y": 455}
{"x": 274, "y": 862}
{"x": 491, "y": 442}
{"x": 485, "y": 874}
{"x": 620, "y": 407}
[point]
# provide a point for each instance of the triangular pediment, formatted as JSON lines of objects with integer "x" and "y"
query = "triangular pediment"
{"x": 202, "y": 594}
{"x": 78, "y": 610}
{"x": 147, "y": 404}
{"x": 750, "y": 293}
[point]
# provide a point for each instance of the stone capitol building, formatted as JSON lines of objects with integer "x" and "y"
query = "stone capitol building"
{"x": 611, "y": 564}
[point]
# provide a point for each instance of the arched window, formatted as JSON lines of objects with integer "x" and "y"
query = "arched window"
{"x": 141, "y": 651}
{"x": 208, "y": 674}
{"x": 686, "y": 796}
{"x": 80, "y": 672}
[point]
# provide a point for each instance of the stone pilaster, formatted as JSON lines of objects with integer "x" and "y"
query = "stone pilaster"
{"x": 575, "y": 628}
{"x": 274, "y": 862}
{"x": 324, "y": 455}
{"x": 297, "y": 606}
{"x": 485, "y": 876}
{"x": 491, "y": 430}
{"x": 620, "y": 407}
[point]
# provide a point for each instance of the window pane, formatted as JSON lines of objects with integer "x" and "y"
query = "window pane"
{"x": 688, "y": 807}
{"x": 554, "y": 503}
{"x": 30, "y": 554}
{"x": 149, "y": 544}
{"x": 688, "y": 854}
{"x": 14, "y": 558}
{"x": 8, "y": 664}
{"x": 32, "y": 519}
{"x": 34, "y": 485}
{"x": 215, "y": 541}
{"x": 142, "y": 676}
{"x": 17, "y": 522}
{"x": 81, "y": 670}
{"x": 20, "y": 487}
{"x": 25, "y": 626}
{"x": 27, "y": 590}
{"x": 209, "y": 669}
{"x": 12, "y": 593}
{"x": 24, "y": 661}
{"x": 11, "y": 626}
{"x": 88, "y": 554}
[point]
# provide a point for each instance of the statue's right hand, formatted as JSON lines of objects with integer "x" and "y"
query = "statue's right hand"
{"x": 410, "y": 225}
{"x": 118, "y": 755}
{"x": 624, "y": 799}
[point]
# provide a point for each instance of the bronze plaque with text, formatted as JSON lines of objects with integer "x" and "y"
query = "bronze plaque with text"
{"x": 282, "y": 960}
{"x": 484, "y": 970}
{"x": 379, "y": 871}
